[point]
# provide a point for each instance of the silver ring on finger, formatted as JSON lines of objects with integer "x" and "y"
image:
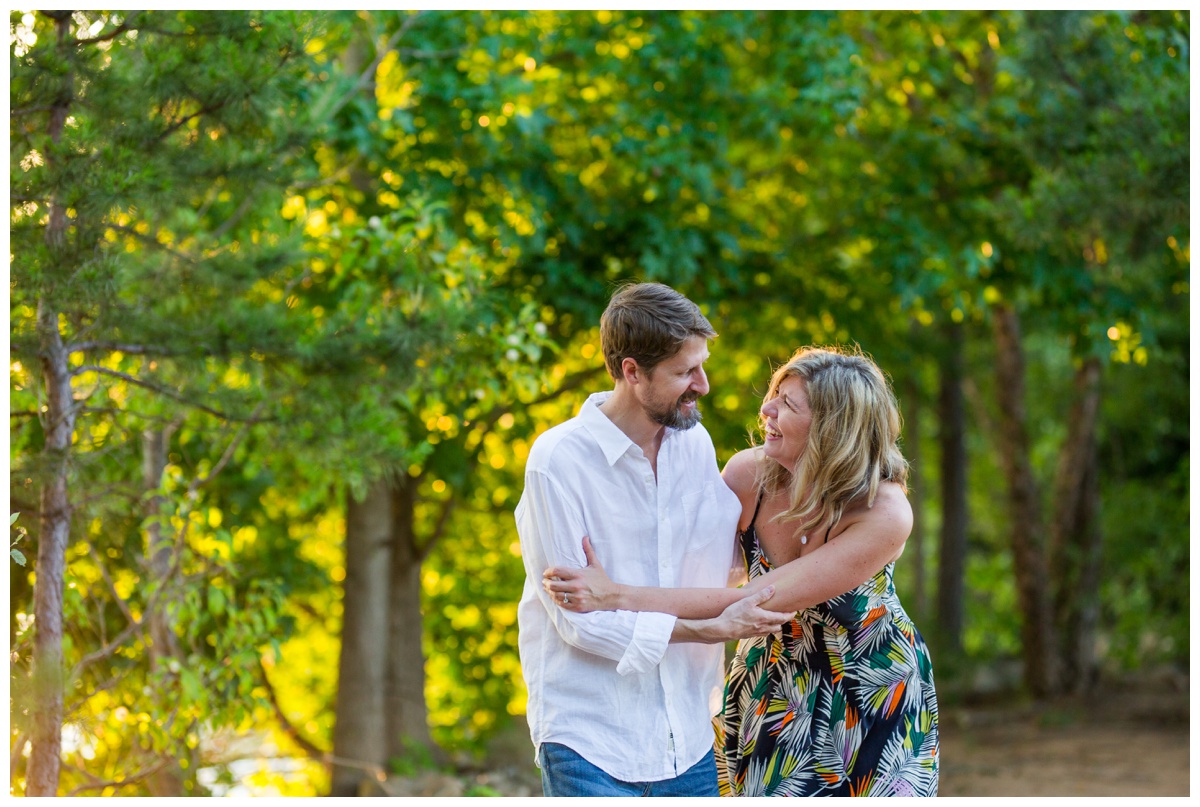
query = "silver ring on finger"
{"x": 566, "y": 600}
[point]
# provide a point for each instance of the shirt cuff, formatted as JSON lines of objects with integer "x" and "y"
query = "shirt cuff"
{"x": 651, "y": 635}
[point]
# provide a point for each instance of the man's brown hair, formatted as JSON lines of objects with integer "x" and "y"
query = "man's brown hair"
{"x": 648, "y": 322}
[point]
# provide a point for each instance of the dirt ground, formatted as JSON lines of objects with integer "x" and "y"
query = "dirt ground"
{"x": 1127, "y": 739}
{"x": 1118, "y": 742}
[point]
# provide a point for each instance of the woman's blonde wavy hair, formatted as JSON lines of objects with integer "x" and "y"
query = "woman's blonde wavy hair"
{"x": 851, "y": 440}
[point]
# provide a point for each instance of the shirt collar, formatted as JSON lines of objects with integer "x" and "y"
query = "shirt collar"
{"x": 612, "y": 441}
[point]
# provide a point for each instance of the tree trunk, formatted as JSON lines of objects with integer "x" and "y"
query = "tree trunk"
{"x": 53, "y": 536}
{"x": 41, "y": 777}
{"x": 360, "y": 728}
{"x": 168, "y": 780}
{"x": 952, "y": 428}
{"x": 1039, "y": 642}
{"x": 1075, "y": 533}
{"x": 408, "y": 723}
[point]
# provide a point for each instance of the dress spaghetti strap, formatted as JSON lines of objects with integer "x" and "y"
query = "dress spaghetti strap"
{"x": 757, "y": 505}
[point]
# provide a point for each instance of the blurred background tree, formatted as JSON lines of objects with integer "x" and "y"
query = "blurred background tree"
{"x": 294, "y": 292}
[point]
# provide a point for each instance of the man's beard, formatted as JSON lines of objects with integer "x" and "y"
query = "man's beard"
{"x": 674, "y": 417}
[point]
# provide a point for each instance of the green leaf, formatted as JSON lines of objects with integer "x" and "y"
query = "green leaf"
{"x": 190, "y": 681}
{"x": 17, "y": 556}
{"x": 13, "y": 519}
{"x": 216, "y": 602}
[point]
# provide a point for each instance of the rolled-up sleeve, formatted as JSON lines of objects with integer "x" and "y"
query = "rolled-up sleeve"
{"x": 651, "y": 635}
{"x": 551, "y": 533}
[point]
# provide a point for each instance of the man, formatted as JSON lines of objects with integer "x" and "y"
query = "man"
{"x": 620, "y": 703}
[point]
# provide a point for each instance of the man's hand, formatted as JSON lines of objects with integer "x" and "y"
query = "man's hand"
{"x": 746, "y": 618}
{"x": 741, "y": 620}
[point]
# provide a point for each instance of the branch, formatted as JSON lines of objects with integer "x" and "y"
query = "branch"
{"x": 23, "y": 347}
{"x": 439, "y": 528}
{"x": 206, "y": 573}
{"x": 93, "y": 368}
{"x": 127, "y": 780}
{"x": 105, "y": 492}
{"x": 289, "y": 728}
{"x": 1065, "y": 74}
{"x": 189, "y": 34}
{"x": 189, "y": 497}
{"x": 185, "y": 516}
{"x": 367, "y": 75}
{"x": 22, "y": 506}
{"x": 569, "y": 383}
{"x": 310, "y": 748}
{"x": 133, "y": 350}
{"x": 176, "y": 561}
{"x": 150, "y": 240}
{"x": 232, "y": 221}
{"x": 111, "y": 587}
{"x": 91, "y": 777}
{"x": 107, "y": 650}
{"x": 184, "y": 121}
{"x": 112, "y": 410}
{"x": 334, "y": 178}
{"x": 95, "y": 690}
{"x": 28, "y": 110}
{"x": 429, "y": 54}
{"x": 225, "y": 457}
{"x": 573, "y": 381}
{"x": 291, "y": 284}
{"x": 120, "y": 29}
{"x": 100, "y": 620}
{"x": 310, "y": 610}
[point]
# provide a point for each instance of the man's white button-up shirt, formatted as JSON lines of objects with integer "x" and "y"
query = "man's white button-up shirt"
{"x": 608, "y": 684}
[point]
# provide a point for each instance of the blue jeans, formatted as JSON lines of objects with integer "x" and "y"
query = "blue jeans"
{"x": 565, "y": 773}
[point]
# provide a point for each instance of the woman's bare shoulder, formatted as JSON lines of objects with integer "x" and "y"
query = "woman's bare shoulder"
{"x": 892, "y": 497}
{"x": 741, "y": 471}
{"x": 889, "y": 516}
{"x": 740, "y": 475}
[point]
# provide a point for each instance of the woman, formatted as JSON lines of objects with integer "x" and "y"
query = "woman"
{"x": 841, "y": 702}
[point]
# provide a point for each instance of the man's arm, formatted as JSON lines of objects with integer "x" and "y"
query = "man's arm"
{"x": 546, "y": 522}
{"x": 742, "y": 619}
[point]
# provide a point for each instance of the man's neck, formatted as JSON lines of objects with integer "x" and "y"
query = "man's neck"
{"x": 627, "y": 414}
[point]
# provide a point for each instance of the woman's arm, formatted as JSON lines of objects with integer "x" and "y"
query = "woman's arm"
{"x": 862, "y": 544}
{"x": 867, "y": 540}
{"x": 590, "y": 589}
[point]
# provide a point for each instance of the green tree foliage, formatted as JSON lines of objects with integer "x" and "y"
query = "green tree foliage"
{"x": 148, "y": 153}
{"x": 312, "y": 251}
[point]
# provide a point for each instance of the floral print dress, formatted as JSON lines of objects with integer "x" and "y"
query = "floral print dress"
{"x": 840, "y": 703}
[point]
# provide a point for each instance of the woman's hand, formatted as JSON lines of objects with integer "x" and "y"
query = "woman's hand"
{"x": 582, "y": 590}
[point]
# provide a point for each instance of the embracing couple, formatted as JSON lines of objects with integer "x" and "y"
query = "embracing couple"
{"x": 633, "y": 541}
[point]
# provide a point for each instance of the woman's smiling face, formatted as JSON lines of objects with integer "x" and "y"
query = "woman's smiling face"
{"x": 786, "y": 420}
